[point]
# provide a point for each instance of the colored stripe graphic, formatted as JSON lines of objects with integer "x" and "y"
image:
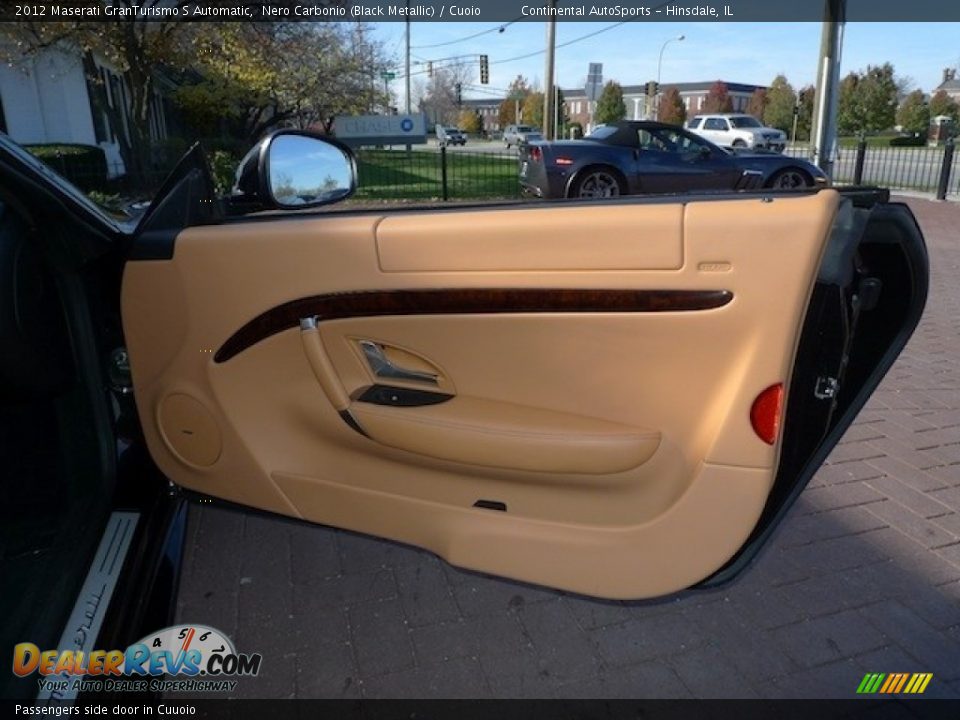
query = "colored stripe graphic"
{"x": 903, "y": 681}
{"x": 894, "y": 683}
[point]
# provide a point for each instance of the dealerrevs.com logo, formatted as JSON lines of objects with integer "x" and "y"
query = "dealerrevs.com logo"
{"x": 187, "y": 658}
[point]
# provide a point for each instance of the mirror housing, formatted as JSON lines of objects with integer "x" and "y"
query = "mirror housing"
{"x": 293, "y": 170}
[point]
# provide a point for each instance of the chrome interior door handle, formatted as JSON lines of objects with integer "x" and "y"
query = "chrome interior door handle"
{"x": 383, "y": 368}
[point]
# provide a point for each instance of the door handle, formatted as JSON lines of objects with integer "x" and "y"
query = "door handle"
{"x": 382, "y": 367}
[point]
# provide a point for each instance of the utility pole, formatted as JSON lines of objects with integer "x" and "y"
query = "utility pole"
{"x": 408, "y": 58}
{"x": 828, "y": 81}
{"x": 548, "y": 97}
{"x": 407, "y": 73}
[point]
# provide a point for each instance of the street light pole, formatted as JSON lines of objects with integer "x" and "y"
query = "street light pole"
{"x": 656, "y": 108}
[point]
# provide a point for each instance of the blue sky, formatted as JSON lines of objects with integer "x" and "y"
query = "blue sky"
{"x": 738, "y": 52}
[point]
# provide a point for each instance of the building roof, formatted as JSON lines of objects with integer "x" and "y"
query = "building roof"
{"x": 683, "y": 87}
{"x": 952, "y": 85}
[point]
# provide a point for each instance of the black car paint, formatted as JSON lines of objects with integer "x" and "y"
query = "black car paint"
{"x": 648, "y": 171}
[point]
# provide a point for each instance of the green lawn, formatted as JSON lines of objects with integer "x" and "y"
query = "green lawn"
{"x": 388, "y": 174}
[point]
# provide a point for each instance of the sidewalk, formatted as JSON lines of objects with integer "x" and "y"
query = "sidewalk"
{"x": 863, "y": 576}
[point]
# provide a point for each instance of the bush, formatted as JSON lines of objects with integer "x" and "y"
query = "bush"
{"x": 223, "y": 166}
{"x": 908, "y": 141}
{"x": 83, "y": 165}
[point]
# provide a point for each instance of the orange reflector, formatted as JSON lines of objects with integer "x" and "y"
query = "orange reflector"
{"x": 563, "y": 161}
{"x": 765, "y": 413}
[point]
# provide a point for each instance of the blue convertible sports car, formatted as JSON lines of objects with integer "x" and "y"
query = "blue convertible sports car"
{"x": 648, "y": 157}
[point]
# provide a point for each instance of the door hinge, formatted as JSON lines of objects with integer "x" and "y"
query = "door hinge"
{"x": 825, "y": 388}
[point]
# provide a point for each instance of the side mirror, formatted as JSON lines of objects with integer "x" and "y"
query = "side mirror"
{"x": 292, "y": 170}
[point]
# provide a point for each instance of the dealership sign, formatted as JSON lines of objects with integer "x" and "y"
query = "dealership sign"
{"x": 380, "y": 129}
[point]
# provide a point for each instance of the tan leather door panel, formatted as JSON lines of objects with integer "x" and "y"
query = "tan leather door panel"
{"x": 590, "y": 371}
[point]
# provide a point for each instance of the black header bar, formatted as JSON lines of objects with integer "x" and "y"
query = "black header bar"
{"x": 491, "y": 11}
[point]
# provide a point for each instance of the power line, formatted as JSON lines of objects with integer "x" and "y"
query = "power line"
{"x": 498, "y": 28}
{"x": 560, "y": 45}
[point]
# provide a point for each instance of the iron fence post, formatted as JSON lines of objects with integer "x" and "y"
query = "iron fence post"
{"x": 945, "y": 168}
{"x": 858, "y": 167}
{"x": 443, "y": 172}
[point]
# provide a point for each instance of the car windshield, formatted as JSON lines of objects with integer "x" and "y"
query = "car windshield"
{"x": 745, "y": 121}
{"x": 524, "y": 128}
{"x": 601, "y": 132}
{"x": 452, "y": 130}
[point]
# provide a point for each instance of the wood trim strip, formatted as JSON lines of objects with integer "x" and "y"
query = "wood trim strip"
{"x": 465, "y": 301}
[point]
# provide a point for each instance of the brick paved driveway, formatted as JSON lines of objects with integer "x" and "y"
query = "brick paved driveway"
{"x": 863, "y": 576}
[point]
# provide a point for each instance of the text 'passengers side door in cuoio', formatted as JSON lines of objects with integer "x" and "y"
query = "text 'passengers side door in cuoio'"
{"x": 587, "y": 396}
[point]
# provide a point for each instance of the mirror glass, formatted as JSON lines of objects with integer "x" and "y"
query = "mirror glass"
{"x": 305, "y": 171}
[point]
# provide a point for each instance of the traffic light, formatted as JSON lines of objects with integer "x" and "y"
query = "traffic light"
{"x": 459, "y": 94}
{"x": 652, "y": 88}
{"x": 429, "y": 68}
{"x": 484, "y": 70}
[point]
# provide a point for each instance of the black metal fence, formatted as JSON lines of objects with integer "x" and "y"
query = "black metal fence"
{"x": 922, "y": 169}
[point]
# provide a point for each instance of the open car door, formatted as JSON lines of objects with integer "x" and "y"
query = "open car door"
{"x": 618, "y": 399}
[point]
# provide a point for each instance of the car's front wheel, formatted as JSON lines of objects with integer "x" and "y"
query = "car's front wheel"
{"x": 790, "y": 179}
{"x": 597, "y": 183}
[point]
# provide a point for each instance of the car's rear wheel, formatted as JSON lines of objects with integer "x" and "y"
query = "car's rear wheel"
{"x": 789, "y": 179}
{"x": 739, "y": 143}
{"x": 597, "y": 183}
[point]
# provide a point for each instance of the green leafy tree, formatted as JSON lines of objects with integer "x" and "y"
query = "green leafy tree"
{"x": 913, "y": 115}
{"x": 133, "y": 48}
{"x": 943, "y": 104}
{"x": 757, "y": 103}
{"x": 781, "y": 99}
{"x": 261, "y": 75}
{"x": 610, "y": 105}
{"x": 868, "y": 100}
{"x": 718, "y": 99}
{"x": 671, "y": 109}
{"x": 849, "y": 112}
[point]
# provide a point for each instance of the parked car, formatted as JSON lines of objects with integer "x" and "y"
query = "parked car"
{"x": 619, "y": 399}
{"x": 631, "y": 157}
{"x": 517, "y": 134}
{"x": 450, "y": 136}
{"x": 738, "y": 131}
